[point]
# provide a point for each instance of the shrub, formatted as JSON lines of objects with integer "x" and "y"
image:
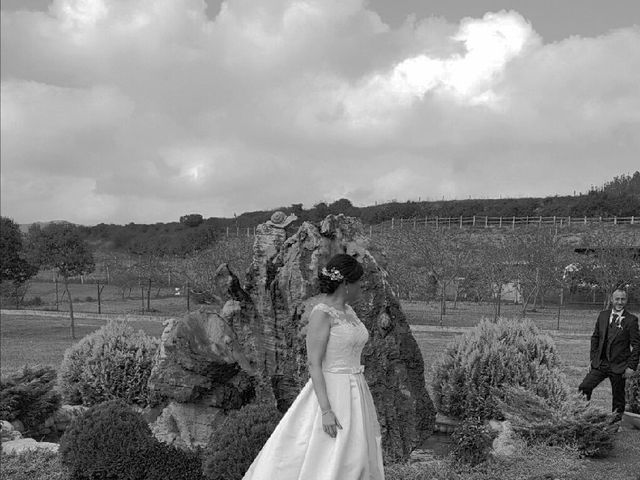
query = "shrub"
{"x": 29, "y": 397}
{"x": 89, "y": 298}
{"x": 495, "y": 355}
{"x": 239, "y": 440}
{"x": 165, "y": 461}
{"x": 112, "y": 362}
{"x": 632, "y": 390}
{"x": 472, "y": 440}
{"x": 107, "y": 441}
{"x": 574, "y": 423}
{"x": 111, "y": 440}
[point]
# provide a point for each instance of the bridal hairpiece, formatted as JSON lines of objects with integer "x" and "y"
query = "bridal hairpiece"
{"x": 334, "y": 274}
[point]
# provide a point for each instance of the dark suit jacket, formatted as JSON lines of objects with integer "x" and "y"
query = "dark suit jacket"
{"x": 623, "y": 343}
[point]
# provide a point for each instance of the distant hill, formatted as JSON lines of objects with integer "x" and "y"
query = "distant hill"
{"x": 618, "y": 197}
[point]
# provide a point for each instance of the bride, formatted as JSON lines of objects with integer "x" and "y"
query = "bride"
{"x": 331, "y": 430}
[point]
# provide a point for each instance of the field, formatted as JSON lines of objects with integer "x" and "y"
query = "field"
{"x": 31, "y": 340}
{"x": 42, "y": 296}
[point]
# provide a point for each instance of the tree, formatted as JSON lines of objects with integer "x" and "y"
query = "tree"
{"x": 612, "y": 260}
{"x": 540, "y": 258}
{"x": 493, "y": 262}
{"x": 61, "y": 247}
{"x": 427, "y": 257}
{"x": 198, "y": 270}
{"x": 149, "y": 269}
{"x": 15, "y": 270}
{"x": 191, "y": 220}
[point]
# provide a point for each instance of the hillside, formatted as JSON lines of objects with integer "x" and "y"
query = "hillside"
{"x": 619, "y": 197}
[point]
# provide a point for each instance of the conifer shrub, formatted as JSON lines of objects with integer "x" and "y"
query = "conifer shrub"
{"x": 29, "y": 397}
{"x": 573, "y": 423}
{"x": 108, "y": 441}
{"x": 112, "y": 362}
{"x": 239, "y": 440}
{"x": 472, "y": 441}
{"x": 470, "y": 374}
{"x": 112, "y": 440}
{"x": 168, "y": 462}
{"x": 632, "y": 391}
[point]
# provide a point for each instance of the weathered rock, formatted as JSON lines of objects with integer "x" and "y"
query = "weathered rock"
{"x": 7, "y": 432}
{"x": 187, "y": 425}
{"x": 65, "y": 415}
{"x": 18, "y": 425}
{"x": 199, "y": 354}
{"x": 283, "y": 282}
{"x": 24, "y": 444}
{"x": 200, "y": 370}
{"x": 507, "y": 443}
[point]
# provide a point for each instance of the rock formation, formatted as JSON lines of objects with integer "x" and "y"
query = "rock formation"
{"x": 283, "y": 283}
{"x": 252, "y": 341}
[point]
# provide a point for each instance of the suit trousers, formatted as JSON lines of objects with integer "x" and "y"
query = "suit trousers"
{"x": 596, "y": 376}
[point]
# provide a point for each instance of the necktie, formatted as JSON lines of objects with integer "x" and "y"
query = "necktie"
{"x": 614, "y": 318}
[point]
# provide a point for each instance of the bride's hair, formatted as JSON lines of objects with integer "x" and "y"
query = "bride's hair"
{"x": 340, "y": 268}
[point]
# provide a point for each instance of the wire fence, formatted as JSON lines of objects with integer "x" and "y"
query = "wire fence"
{"x": 475, "y": 221}
{"x": 484, "y": 221}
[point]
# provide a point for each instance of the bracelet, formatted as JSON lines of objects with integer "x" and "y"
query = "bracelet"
{"x": 324, "y": 413}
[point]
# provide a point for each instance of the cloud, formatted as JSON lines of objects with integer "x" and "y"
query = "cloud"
{"x": 142, "y": 110}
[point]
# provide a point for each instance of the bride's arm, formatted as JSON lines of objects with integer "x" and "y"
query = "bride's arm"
{"x": 317, "y": 338}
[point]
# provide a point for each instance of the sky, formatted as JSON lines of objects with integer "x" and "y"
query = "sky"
{"x": 118, "y": 111}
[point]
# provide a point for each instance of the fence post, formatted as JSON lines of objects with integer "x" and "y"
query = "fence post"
{"x": 426, "y": 221}
{"x": 227, "y": 231}
{"x": 437, "y": 222}
{"x": 615, "y": 220}
{"x": 474, "y": 220}
{"x": 585, "y": 220}
{"x": 569, "y": 221}
{"x": 632, "y": 219}
{"x": 554, "y": 220}
{"x": 540, "y": 221}
{"x": 513, "y": 222}
{"x": 460, "y": 221}
{"x": 414, "y": 223}
{"x": 391, "y": 223}
{"x": 500, "y": 222}
{"x": 486, "y": 221}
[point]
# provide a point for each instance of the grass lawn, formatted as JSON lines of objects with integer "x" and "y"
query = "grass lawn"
{"x": 31, "y": 340}
{"x": 467, "y": 314}
{"x": 85, "y": 299}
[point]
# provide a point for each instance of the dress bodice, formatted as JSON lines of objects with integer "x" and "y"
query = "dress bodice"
{"x": 347, "y": 338}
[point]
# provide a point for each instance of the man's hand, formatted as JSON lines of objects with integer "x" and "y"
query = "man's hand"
{"x": 628, "y": 372}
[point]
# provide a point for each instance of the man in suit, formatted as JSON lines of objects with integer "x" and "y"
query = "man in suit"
{"x": 615, "y": 348}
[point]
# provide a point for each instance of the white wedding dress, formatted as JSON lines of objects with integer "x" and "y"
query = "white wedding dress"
{"x": 298, "y": 448}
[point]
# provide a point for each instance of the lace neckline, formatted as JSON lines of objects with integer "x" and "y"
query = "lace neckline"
{"x": 346, "y": 316}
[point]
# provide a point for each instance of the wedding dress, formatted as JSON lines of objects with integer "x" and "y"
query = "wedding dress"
{"x": 298, "y": 448}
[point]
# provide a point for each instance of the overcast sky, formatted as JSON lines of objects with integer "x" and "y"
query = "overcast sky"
{"x": 141, "y": 111}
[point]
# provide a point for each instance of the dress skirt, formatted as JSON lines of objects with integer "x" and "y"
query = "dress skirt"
{"x": 299, "y": 449}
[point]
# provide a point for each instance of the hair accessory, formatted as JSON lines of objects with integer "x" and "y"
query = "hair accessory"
{"x": 334, "y": 274}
